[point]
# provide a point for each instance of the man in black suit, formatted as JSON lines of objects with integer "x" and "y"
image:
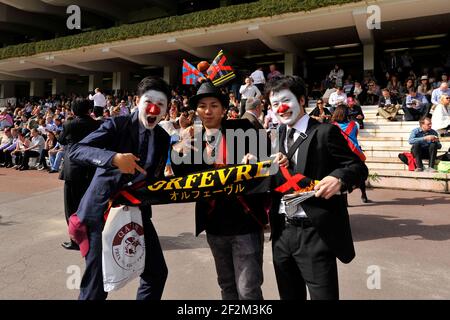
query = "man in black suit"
{"x": 76, "y": 178}
{"x": 252, "y": 112}
{"x": 307, "y": 238}
{"x": 125, "y": 149}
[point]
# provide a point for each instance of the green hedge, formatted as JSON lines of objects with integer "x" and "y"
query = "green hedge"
{"x": 201, "y": 19}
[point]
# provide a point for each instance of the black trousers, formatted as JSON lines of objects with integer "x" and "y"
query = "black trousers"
{"x": 301, "y": 259}
{"x": 153, "y": 278}
{"x": 27, "y": 155}
{"x": 73, "y": 192}
{"x": 420, "y": 153}
{"x": 242, "y": 107}
{"x": 98, "y": 111}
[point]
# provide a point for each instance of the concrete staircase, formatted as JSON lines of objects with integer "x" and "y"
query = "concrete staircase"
{"x": 382, "y": 141}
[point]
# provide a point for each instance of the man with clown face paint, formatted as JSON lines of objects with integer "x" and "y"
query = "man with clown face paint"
{"x": 124, "y": 149}
{"x": 308, "y": 237}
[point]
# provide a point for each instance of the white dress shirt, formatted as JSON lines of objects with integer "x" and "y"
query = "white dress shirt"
{"x": 99, "y": 99}
{"x": 249, "y": 92}
{"x": 300, "y": 126}
{"x": 258, "y": 77}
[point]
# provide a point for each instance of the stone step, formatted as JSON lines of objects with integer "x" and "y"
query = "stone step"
{"x": 367, "y": 142}
{"x": 409, "y": 180}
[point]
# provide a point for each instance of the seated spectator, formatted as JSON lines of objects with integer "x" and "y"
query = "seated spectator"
{"x": 395, "y": 88}
{"x": 354, "y": 112}
{"x": 358, "y": 93}
{"x": 115, "y": 112}
{"x": 436, "y": 94}
{"x": 388, "y": 106}
{"x": 233, "y": 101}
{"x": 6, "y": 142}
{"x": 347, "y": 87}
{"x": 425, "y": 144}
{"x": 6, "y": 120}
{"x": 441, "y": 116}
{"x": 7, "y": 150}
{"x": 33, "y": 150}
{"x": 320, "y": 112}
{"x": 415, "y": 106}
{"x": 22, "y": 143}
{"x": 233, "y": 113}
{"x": 336, "y": 98}
{"x": 444, "y": 79}
{"x": 330, "y": 89}
{"x": 124, "y": 111}
{"x": 372, "y": 94}
{"x": 316, "y": 91}
{"x": 106, "y": 114}
{"x": 56, "y": 155}
{"x": 50, "y": 143}
{"x": 425, "y": 88}
{"x": 50, "y": 124}
{"x": 409, "y": 84}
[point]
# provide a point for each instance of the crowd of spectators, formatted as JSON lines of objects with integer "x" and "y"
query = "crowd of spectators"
{"x": 32, "y": 127}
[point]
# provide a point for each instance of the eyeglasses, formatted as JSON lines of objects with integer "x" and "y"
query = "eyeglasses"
{"x": 447, "y": 98}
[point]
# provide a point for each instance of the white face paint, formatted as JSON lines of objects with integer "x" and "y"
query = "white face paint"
{"x": 150, "y": 115}
{"x": 286, "y": 106}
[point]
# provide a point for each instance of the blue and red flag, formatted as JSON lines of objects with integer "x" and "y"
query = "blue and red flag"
{"x": 350, "y": 132}
{"x": 190, "y": 73}
{"x": 219, "y": 71}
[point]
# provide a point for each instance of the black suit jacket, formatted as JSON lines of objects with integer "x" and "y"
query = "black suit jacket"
{"x": 115, "y": 135}
{"x": 325, "y": 153}
{"x": 73, "y": 132}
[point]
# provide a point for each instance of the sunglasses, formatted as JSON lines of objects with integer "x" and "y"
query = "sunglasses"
{"x": 320, "y": 102}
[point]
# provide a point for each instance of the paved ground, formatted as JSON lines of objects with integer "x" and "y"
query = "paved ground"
{"x": 403, "y": 236}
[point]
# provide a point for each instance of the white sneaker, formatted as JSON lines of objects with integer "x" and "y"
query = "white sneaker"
{"x": 430, "y": 170}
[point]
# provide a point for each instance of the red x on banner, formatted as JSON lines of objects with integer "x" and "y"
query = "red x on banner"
{"x": 291, "y": 181}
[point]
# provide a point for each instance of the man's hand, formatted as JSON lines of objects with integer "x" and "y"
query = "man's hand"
{"x": 281, "y": 160}
{"x": 126, "y": 163}
{"x": 328, "y": 187}
{"x": 184, "y": 146}
{"x": 249, "y": 158}
{"x": 430, "y": 138}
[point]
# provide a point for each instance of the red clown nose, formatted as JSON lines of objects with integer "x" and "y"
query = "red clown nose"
{"x": 152, "y": 109}
{"x": 283, "y": 108}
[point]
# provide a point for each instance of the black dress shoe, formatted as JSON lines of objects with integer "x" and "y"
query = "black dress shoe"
{"x": 365, "y": 200}
{"x": 70, "y": 245}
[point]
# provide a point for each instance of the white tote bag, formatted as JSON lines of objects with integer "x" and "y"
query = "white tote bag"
{"x": 123, "y": 243}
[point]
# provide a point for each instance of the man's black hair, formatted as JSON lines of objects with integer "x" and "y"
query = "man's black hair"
{"x": 154, "y": 83}
{"x": 292, "y": 83}
{"x": 81, "y": 108}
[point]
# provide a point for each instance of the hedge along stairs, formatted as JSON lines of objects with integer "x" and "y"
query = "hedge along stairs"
{"x": 382, "y": 141}
{"x": 200, "y": 19}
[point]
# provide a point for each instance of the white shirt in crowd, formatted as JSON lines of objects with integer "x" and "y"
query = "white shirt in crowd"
{"x": 335, "y": 98}
{"x": 258, "y": 77}
{"x": 99, "y": 99}
{"x": 37, "y": 143}
{"x": 249, "y": 92}
{"x": 441, "y": 117}
{"x": 300, "y": 126}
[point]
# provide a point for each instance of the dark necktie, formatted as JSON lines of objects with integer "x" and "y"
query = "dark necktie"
{"x": 143, "y": 149}
{"x": 290, "y": 138}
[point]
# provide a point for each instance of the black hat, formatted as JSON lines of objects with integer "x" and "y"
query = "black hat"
{"x": 207, "y": 89}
